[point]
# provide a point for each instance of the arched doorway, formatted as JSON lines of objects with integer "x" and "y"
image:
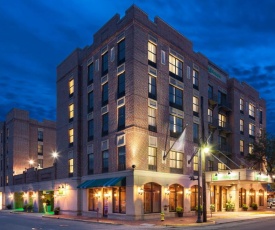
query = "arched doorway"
{"x": 242, "y": 197}
{"x": 252, "y": 197}
{"x": 175, "y": 197}
{"x": 152, "y": 198}
{"x": 194, "y": 197}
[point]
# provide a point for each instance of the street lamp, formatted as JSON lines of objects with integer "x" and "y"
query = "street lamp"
{"x": 31, "y": 162}
{"x": 55, "y": 155}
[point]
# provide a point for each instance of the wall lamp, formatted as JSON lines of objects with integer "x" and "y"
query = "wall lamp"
{"x": 188, "y": 192}
{"x": 25, "y": 195}
{"x": 140, "y": 191}
{"x": 167, "y": 191}
{"x": 62, "y": 186}
{"x": 97, "y": 195}
{"x": 107, "y": 195}
{"x": 11, "y": 196}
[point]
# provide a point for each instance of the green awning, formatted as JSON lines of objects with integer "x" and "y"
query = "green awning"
{"x": 105, "y": 182}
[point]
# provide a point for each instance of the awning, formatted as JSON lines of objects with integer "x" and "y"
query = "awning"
{"x": 105, "y": 182}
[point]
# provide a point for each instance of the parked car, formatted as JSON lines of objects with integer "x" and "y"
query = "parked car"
{"x": 270, "y": 202}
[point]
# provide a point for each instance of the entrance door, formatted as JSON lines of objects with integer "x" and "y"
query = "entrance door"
{"x": 105, "y": 202}
{"x": 224, "y": 198}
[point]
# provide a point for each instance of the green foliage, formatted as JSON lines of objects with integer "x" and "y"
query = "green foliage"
{"x": 197, "y": 208}
{"x": 245, "y": 207}
{"x": 254, "y": 206}
{"x": 212, "y": 207}
{"x": 179, "y": 209}
{"x": 229, "y": 206}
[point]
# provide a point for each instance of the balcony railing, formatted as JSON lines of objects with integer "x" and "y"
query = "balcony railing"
{"x": 225, "y": 105}
{"x": 212, "y": 99}
{"x": 224, "y": 126}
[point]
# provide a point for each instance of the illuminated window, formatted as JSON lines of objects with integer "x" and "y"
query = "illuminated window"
{"x": 250, "y": 148}
{"x": 152, "y": 124}
{"x": 152, "y": 198}
{"x": 40, "y": 150}
{"x": 121, "y": 52}
{"x": 194, "y": 197}
{"x": 195, "y": 79}
{"x": 241, "y": 126}
{"x": 242, "y": 197}
{"x": 93, "y": 199}
{"x": 221, "y": 166}
{"x": 71, "y": 167}
{"x": 175, "y": 97}
{"x": 90, "y": 73}
{"x": 152, "y": 158}
{"x": 71, "y": 87}
{"x": 251, "y": 130}
{"x": 71, "y": 112}
{"x": 241, "y": 147}
{"x": 210, "y": 115}
{"x": 152, "y": 54}
{"x": 175, "y": 197}
{"x": 261, "y": 197}
{"x": 176, "y": 160}
{"x": 152, "y": 92}
{"x": 222, "y": 120}
{"x": 175, "y": 67}
{"x": 195, "y": 163}
{"x": 71, "y": 137}
{"x": 119, "y": 200}
{"x": 176, "y": 126}
{"x": 251, "y": 111}
{"x": 195, "y": 106}
{"x": 241, "y": 105}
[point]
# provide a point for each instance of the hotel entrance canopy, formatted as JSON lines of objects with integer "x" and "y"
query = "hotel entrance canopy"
{"x": 104, "y": 182}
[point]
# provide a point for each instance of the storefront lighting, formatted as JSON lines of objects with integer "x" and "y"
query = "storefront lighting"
{"x": 97, "y": 195}
{"x": 188, "y": 192}
{"x": 25, "y": 195}
{"x": 140, "y": 190}
{"x": 107, "y": 195}
{"x": 33, "y": 195}
{"x": 11, "y": 196}
{"x": 167, "y": 191}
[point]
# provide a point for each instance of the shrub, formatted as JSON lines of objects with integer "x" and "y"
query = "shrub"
{"x": 179, "y": 209}
{"x": 245, "y": 207}
{"x": 230, "y": 206}
{"x": 212, "y": 207}
{"x": 254, "y": 206}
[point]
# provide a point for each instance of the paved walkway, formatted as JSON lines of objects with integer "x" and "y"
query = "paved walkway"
{"x": 216, "y": 218}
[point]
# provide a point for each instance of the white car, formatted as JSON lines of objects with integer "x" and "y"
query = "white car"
{"x": 270, "y": 202}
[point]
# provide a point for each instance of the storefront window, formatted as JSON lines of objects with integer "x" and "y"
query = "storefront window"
{"x": 194, "y": 197}
{"x": 93, "y": 200}
{"x": 261, "y": 197}
{"x": 175, "y": 197}
{"x": 152, "y": 196}
{"x": 242, "y": 197}
{"x": 251, "y": 197}
{"x": 119, "y": 200}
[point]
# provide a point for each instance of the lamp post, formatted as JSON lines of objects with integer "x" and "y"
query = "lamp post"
{"x": 31, "y": 162}
{"x": 204, "y": 150}
{"x": 55, "y": 155}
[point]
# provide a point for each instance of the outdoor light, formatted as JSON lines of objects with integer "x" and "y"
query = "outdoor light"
{"x": 140, "y": 190}
{"x": 167, "y": 191}
{"x": 97, "y": 195}
{"x": 188, "y": 193}
{"x": 11, "y": 196}
{"x": 55, "y": 155}
{"x": 31, "y": 162}
{"x": 229, "y": 173}
{"x": 107, "y": 195}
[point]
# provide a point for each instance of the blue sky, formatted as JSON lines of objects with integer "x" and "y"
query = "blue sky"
{"x": 36, "y": 35}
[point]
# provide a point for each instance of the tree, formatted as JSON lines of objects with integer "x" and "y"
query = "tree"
{"x": 263, "y": 154}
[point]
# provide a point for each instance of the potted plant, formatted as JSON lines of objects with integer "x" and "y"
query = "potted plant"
{"x": 245, "y": 207}
{"x": 56, "y": 210}
{"x": 30, "y": 208}
{"x": 198, "y": 209}
{"x": 254, "y": 206}
{"x": 229, "y": 206}
{"x": 179, "y": 211}
{"x": 212, "y": 207}
{"x": 9, "y": 206}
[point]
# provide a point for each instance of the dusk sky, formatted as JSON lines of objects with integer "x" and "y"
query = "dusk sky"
{"x": 37, "y": 35}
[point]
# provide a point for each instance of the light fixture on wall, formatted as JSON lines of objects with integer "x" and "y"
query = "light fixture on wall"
{"x": 167, "y": 191}
{"x": 25, "y": 195}
{"x": 33, "y": 195}
{"x": 188, "y": 192}
{"x": 107, "y": 195}
{"x": 11, "y": 196}
{"x": 140, "y": 191}
{"x": 97, "y": 195}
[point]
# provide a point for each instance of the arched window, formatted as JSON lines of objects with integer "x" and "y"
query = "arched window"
{"x": 252, "y": 196}
{"x": 242, "y": 197}
{"x": 175, "y": 197}
{"x": 261, "y": 197}
{"x": 194, "y": 197}
{"x": 152, "y": 196}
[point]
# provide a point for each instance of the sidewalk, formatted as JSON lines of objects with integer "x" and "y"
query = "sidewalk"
{"x": 217, "y": 218}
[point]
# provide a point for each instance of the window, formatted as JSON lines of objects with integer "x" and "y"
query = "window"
{"x": 241, "y": 105}
{"x": 121, "y": 158}
{"x": 90, "y": 73}
{"x": 105, "y": 124}
{"x": 250, "y": 148}
{"x": 163, "y": 61}
{"x": 195, "y": 79}
{"x": 176, "y": 126}
{"x": 251, "y": 111}
{"x": 221, "y": 166}
{"x": 210, "y": 92}
{"x": 71, "y": 167}
{"x": 222, "y": 98}
{"x": 93, "y": 199}
{"x": 105, "y": 161}
{"x": 40, "y": 163}
{"x": 39, "y": 135}
{"x": 91, "y": 163}
{"x": 71, "y": 87}
{"x": 121, "y": 118}
{"x": 210, "y": 165}
{"x": 104, "y": 67}
{"x": 121, "y": 85}
{"x": 261, "y": 197}
{"x": 261, "y": 117}
{"x": 119, "y": 200}
{"x": 71, "y": 112}
{"x": 90, "y": 102}
{"x": 252, "y": 197}
{"x": 175, "y": 197}
{"x": 152, "y": 198}
{"x": 222, "y": 143}
{"x": 40, "y": 150}
{"x": 121, "y": 52}
{"x": 176, "y": 160}
{"x": 71, "y": 137}
{"x": 194, "y": 197}
{"x": 152, "y": 123}
{"x": 175, "y": 97}
{"x": 90, "y": 130}
{"x": 152, "y": 54}
{"x": 210, "y": 115}
{"x": 195, "y": 133}
{"x": 241, "y": 147}
{"x": 242, "y": 197}
{"x": 251, "y": 130}
{"x": 222, "y": 120}
{"x": 152, "y": 158}
{"x": 152, "y": 92}
{"x": 175, "y": 67}
{"x": 195, "y": 106}
{"x": 105, "y": 94}
{"x": 241, "y": 126}
{"x": 195, "y": 163}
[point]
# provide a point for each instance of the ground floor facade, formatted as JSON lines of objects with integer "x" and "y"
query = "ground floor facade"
{"x": 136, "y": 194}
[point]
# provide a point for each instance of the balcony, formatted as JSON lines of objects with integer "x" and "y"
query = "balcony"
{"x": 224, "y": 127}
{"x": 212, "y": 99}
{"x": 212, "y": 123}
{"x": 224, "y": 105}
{"x": 225, "y": 149}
